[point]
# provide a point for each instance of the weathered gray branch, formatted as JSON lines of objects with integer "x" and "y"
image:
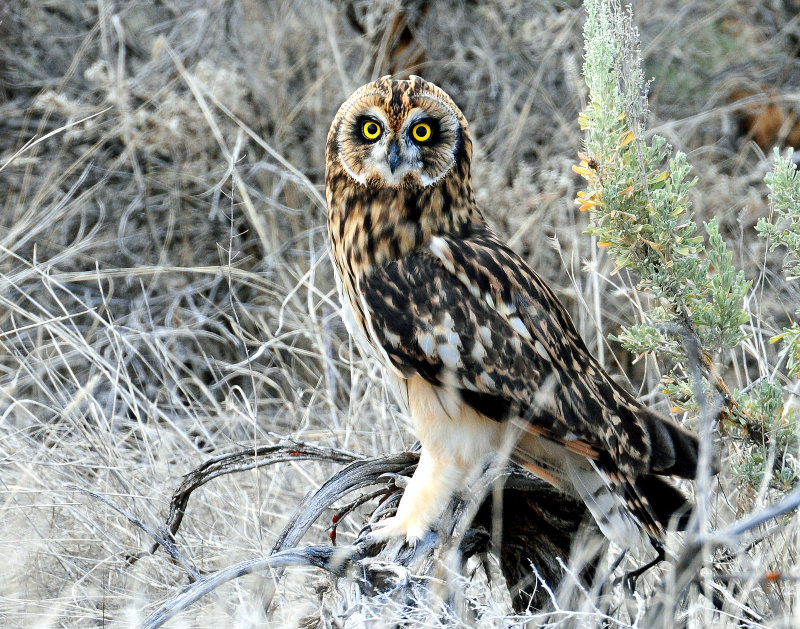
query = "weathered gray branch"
{"x": 538, "y": 526}
{"x": 161, "y": 537}
{"x": 248, "y": 459}
{"x": 330, "y": 558}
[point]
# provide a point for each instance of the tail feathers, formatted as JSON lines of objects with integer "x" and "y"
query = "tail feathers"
{"x": 605, "y": 502}
{"x": 673, "y": 450}
{"x": 669, "y": 505}
{"x": 626, "y": 508}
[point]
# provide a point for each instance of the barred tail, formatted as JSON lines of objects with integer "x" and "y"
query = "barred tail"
{"x": 606, "y": 501}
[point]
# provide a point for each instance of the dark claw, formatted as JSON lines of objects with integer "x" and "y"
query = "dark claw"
{"x": 629, "y": 580}
{"x": 363, "y": 537}
{"x": 406, "y": 554}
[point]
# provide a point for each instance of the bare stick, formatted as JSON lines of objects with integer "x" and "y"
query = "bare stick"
{"x": 164, "y": 539}
{"x": 248, "y": 459}
{"x": 332, "y": 558}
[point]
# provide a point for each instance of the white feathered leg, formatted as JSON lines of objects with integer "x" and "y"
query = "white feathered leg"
{"x": 428, "y": 492}
{"x": 454, "y": 438}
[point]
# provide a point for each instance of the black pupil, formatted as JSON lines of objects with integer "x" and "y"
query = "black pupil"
{"x": 372, "y": 128}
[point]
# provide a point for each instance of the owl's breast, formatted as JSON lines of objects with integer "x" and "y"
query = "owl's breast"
{"x": 355, "y": 315}
{"x": 351, "y": 314}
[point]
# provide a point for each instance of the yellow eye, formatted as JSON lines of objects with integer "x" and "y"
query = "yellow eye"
{"x": 371, "y": 130}
{"x": 421, "y": 132}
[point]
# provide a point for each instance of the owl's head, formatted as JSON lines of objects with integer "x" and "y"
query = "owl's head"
{"x": 399, "y": 134}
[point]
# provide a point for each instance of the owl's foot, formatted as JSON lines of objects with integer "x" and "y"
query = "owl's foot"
{"x": 397, "y": 547}
{"x": 426, "y": 495}
{"x": 410, "y": 530}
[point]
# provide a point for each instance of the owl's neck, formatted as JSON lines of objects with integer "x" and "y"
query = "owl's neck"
{"x": 370, "y": 227}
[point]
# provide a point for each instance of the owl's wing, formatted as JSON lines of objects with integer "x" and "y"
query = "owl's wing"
{"x": 469, "y": 313}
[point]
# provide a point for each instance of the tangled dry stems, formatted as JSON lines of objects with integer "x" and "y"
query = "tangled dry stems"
{"x": 165, "y": 292}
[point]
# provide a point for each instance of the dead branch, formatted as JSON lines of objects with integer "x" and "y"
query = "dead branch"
{"x": 243, "y": 460}
{"x": 159, "y": 535}
{"x": 537, "y": 530}
{"x": 329, "y": 558}
{"x": 538, "y": 525}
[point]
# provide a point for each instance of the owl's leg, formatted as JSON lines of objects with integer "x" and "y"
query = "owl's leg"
{"x": 430, "y": 489}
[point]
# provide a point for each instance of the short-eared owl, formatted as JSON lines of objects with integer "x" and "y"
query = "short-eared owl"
{"x": 474, "y": 343}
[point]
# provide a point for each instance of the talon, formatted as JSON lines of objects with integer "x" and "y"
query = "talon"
{"x": 630, "y": 578}
{"x": 363, "y": 534}
{"x": 400, "y": 481}
{"x": 397, "y": 527}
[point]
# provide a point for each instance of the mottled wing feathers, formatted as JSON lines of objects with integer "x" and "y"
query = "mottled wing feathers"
{"x": 428, "y": 322}
{"x": 468, "y": 312}
{"x": 592, "y": 405}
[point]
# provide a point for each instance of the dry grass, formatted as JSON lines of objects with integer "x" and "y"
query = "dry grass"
{"x": 165, "y": 290}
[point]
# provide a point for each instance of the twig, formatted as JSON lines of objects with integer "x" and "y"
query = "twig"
{"x": 334, "y": 559}
{"x": 357, "y": 475}
{"x": 161, "y": 538}
{"x": 287, "y": 450}
{"x": 349, "y": 508}
{"x": 737, "y": 529}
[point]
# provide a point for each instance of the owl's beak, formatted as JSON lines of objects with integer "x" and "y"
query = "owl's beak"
{"x": 394, "y": 155}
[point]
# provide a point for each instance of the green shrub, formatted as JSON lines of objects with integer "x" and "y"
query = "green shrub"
{"x": 638, "y": 199}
